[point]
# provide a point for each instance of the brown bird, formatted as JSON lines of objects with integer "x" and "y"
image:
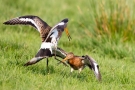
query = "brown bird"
{"x": 79, "y": 63}
{"x": 41, "y": 26}
{"x": 50, "y": 35}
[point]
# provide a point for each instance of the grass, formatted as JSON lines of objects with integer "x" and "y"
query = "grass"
{"x": 103, "y": 30}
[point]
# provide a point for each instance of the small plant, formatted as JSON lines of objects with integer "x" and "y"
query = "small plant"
{"x": 115, "y": 20}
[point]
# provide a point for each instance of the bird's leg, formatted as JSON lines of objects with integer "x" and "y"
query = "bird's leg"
{"x": 55, "y": 53}
{"x": 55, "y": 47}
{"x": 60, "y": 61}
{"x": 47, "y": 65}
{"x": 63, "y": 62}
{"x": 71, "y": 70}
{"x": 80, "y": 69}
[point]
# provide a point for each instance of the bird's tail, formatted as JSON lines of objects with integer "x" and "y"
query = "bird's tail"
{"x": 42, "y": 53}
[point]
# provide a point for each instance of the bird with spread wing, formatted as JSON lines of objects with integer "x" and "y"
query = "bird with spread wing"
{"x": 79, "y": 63}
{"x": 50, "y": 35}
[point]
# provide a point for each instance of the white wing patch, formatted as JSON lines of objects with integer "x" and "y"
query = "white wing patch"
{"x": 54, "y": 38}
{"x": 47, "y": 45}
{"x": 55, "y": 33}
{"x": 30, "y": 20}
{"x": 96, "y": 69}
{"x": 61, "y": 23}
{"x": 53, "y": 44}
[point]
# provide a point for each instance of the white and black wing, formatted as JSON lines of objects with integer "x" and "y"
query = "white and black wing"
{"x": 41, "y": 54}
{"x": 60, "y": 25}
{"x": 60, "y": 53}
{"x": 45, "y": 53}
{"x": 34, "y": 21}
{"x": 92, "y": 64}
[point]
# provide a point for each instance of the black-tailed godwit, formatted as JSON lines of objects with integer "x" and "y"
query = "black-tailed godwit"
{"x": 79, "y": 63}
{"x": 50, "y": 35}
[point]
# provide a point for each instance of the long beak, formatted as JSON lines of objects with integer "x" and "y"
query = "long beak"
{"x": 66, "y": 30}
{"x": 64, "y": 60}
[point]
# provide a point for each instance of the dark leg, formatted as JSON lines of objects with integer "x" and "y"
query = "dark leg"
{"x": 47, "y": 65}
{"x": 78, "y": 75}
{"x": 55, "y": 53}
{"x": 55, "y": 56}
{"x": 71, "y": 70}
{"x": 61, "y": 62}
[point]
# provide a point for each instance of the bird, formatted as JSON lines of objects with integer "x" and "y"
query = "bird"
{"x": 49, "y": 35}
{"x": 41, "y": 26}
{"x": 79, "y": 63}
{"x": 59, "y": 53}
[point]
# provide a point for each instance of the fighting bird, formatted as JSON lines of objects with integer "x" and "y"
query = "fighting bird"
{"x": 50, "y": 35}
{"x": 41, "y": 26}
{"x": 79, "y": 63}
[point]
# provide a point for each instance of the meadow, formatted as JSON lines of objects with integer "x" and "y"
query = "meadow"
{"x": 102, "y": 29}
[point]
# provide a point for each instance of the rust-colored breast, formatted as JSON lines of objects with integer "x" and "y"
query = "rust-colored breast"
{"x": 75, "y": 63}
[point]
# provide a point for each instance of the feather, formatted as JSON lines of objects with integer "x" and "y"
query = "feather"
{"x": 92, "y": 64}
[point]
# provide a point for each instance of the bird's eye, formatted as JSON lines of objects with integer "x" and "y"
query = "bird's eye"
{"x": 83, "y": 56}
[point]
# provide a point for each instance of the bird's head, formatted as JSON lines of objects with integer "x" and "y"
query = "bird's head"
{"x": 68, "y": 56}
{"x": 63, "y": 26}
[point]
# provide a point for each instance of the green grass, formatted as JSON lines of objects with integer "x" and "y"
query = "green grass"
{"x": 103, "y": 30}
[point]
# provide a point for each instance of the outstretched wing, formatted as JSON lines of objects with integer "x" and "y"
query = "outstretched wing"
{"x": 45, "y": 53}
{"x": 34, "y": 21}
{"x": 42, "y": 53}
{"x": 60, "y": 53}
{"x": 61, "y": 26}
{"x": 92, "y": 64}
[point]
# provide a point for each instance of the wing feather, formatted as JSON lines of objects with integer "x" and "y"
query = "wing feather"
{"x": 34, "y": 21}
{"x": 93, "y": 65}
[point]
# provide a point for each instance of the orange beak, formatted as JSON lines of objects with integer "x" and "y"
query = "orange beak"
{"x": 64, "y": 59}
{"x": 66, "y": 30}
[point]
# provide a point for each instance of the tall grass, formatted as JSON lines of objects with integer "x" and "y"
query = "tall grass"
{"x": 111, "y": 25}
{"x": 117, "y": 21}
{"x": 111, "y": 18}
